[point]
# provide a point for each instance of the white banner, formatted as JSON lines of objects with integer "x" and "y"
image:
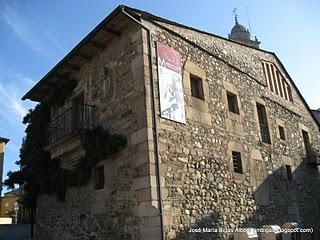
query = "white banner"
{"x": 170, "y": 84}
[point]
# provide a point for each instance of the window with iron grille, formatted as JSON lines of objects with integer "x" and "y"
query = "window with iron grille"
{"x": 282, "y": 133}
{"x": 196, "y": 87}
{"x": 263, "y": 123}
{"x": 237, "y": 162}
{"x": 99, "y": 178}
{"x": 74, "y": 119}
{"x": 232, "y": 103}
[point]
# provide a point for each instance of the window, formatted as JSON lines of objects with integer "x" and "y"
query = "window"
{"x": 99, "y": 178}
{"x": 276, "y": 82}
{"x": 306, "y": 141}
{"x": 281, "y": 133}
{"x": 263, "y": 123}
{"x": 77, "y": 112}
{"x": 232, "y": 103}
{"x": 237, "y": 163}
{"x": 289, "y": 172}
{"x": 196, "y": 87}
{"x": 6, "y": 204}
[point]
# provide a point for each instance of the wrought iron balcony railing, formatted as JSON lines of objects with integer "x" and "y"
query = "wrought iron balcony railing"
{"x": 71, "y": 121}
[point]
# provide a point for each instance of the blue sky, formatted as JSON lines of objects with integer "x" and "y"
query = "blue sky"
{"x": 35, "y": 35}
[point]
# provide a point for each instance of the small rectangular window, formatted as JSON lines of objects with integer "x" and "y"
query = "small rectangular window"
{"x": 282, "y": 133}
{"x": 196, "y": 87}
{"x": 263, "y": 123}
{"x": 289, "y": 172}
{"x": 237, "y": 163}
{"x": 306, "y": 141}
{"x": 232, "y": 103}
{"x": 99, "y": 178}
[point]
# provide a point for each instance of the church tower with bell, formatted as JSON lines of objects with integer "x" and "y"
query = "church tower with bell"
{"x": 242, "y": 35}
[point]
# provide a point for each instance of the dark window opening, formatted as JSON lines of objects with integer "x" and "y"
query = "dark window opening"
{"x": 263, "y": 123}
{"x": 285, "y": 89}
{"x": 269, "y": 77}
{"x": 196, "y": 87}
{"x": 281, "y": 133}
{"x": 99, "y": 178}
{"x": 290, "y": 93}
{"x": 232, "y": 103}
{"x": 289, "y": 172}
{"x": 279, "y": 84}
{"x": 274, "y": 80}
{"x": 77, "y": 112}
{"x": 264, "y": 71}
{"x": 237, "y": 163}
{"x": 306, "y": 141}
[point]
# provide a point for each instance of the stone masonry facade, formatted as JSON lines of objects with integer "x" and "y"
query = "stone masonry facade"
{"x": 202, "y": 189}
{"x": 122, "y": 209}
{"x": 198, "y": 183}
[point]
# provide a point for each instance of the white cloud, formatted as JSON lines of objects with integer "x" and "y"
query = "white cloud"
{"x": 18, "y": 108}
{"x": 12, "y": 111}
{"x": 10, "y": 101}
{"x": 37, "y": 39}
{"x": 24, "y": 79}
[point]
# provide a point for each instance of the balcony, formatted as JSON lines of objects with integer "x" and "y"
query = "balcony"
{"x": 71, "y": 122}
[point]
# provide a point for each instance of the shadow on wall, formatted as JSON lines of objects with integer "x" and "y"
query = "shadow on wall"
{"x": 205, "y": 228}
{"x": 283, "y": 196}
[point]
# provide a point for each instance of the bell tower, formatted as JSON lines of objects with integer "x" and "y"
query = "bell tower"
{"x": 242, "y": 35}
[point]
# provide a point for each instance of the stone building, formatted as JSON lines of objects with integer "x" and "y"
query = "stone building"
{"x": 9, "y": 204}
{"x": 3, "y": 142}
{"x": 316, "y": 113}
{"x": 242, "y": 35}
{"x": 218, "y": 135}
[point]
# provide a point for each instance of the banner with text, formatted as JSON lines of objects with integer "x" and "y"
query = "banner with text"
{"x": 170, "y": 84}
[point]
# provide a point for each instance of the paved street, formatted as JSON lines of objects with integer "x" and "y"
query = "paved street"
{"x": 15, "y": 232}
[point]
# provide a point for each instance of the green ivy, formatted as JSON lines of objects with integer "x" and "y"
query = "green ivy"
{"x": 99, "y": 144}
{"x": 39, "y": 173}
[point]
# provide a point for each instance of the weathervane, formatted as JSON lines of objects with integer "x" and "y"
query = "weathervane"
{"x": 235, "y": 14}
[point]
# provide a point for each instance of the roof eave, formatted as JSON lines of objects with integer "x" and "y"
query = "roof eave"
{"x": 146, "y": 15}
{"x": 114, "y": 13}
{"x": 297, "y": 90}
{"x": 4, "y": 140}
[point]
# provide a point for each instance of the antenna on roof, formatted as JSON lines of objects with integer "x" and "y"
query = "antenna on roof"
{"x": 247, "y": 12}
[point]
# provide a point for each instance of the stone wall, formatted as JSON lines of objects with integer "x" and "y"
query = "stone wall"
{"x": 8, "y": 203}
{"x": 2, "y": 148}
{"x": 202, "y": 189}
{"x": 113, "y": 81}
{"x": 199, "y": 185}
